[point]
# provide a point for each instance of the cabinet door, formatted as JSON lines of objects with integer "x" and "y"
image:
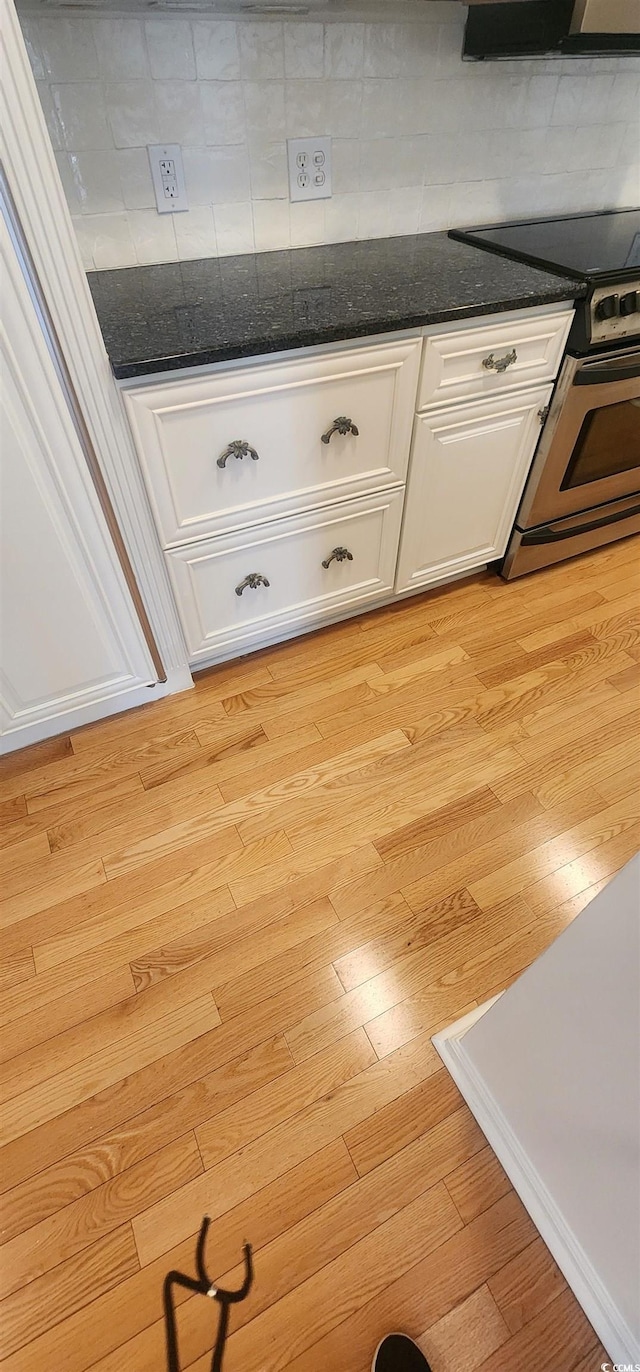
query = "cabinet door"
{"x": 72, "y": 648}
{"x": 467, "y": 472}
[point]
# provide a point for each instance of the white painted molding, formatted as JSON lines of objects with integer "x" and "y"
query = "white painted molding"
{"x": 35, "y": 185}
{"x": 72, "y": 717}
{"x": 595, "y": 1299}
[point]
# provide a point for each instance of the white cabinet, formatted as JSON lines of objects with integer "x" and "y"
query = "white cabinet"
{"x": 261, "y": 441}
{"x": 248, "y": 497}
{"x": 241, "y": 589}
{"x": 72, "y": 647}
{"x": 468, "y": 468}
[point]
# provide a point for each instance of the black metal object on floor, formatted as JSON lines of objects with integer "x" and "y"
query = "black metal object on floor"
{"x": 202, "y": 1285}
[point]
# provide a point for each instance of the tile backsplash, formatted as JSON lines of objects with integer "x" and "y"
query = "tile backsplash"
{"x": 421, "y": 140}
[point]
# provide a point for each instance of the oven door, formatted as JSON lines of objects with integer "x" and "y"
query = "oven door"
{"x": 589, "y": 452}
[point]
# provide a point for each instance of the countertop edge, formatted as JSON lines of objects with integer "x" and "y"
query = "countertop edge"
{"x": 314, "y": 336}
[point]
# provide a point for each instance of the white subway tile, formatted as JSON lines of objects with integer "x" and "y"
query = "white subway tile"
{"x": 450, "y": 39}
{"x": 401, "y": 50}
{"x": 216, "y": 175}
{"x": 80, "y": 116}
{"x": 377, "y": 159}
{"x": 391, "y": 108}
{"x": 595, "y": 106}
{"x": 307, "y": 223}
{"x": 153, "y": 235}
{"x": 132, "y": 113}
{"x": 195, "y": 233}
{"x": 269, "y": 175}
{"x": 570, "y": 99}
{"x": 341, "y": 218}
{"x": 303, "y": 50}
{"x": 170, "y": 48}
{"x": 440, "y": 159}
{"x": 261, "y": 50}
{"x": 344, "y": 50}
{"x": 306, "y": 108}
{"x": 234, "y": 228}
{"x": 66, "y": 47}
{"x": 97, "y": 181}
{"x": 476, "y": 202}
{"x": 105, "y": 241}
{"x": 216, "y": 49}
{"x": 345, "y": 166}
{"x": 271, "y": 225}
{"x": 122, "y": 54}
{"x": 264, "y": 108}
{"x": 222, "y": 111}
{"x": 135, "y": 178}
{"x": 628, "y": 146}
{"x": 595, "y": 146}
{"x": 436, "y": 207}
{"x": 622, "y": 101}
{"x": 372, "y": 214}
{"x": 539, "y": 101}
{"x": 403, "y": 210}
{"x": 178, "y": 113}
{"x": 343, "y": 108}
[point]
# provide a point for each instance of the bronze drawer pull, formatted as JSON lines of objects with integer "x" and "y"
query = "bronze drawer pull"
{"x": 253, "y": 580}
{"x": 500, "y": 364}
{"x": 237, "y": 448}
{"x": 340, "y": 555}
{"x": 341, "y": 425}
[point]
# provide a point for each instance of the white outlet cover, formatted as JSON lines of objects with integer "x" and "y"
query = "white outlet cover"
{"x": 309, "y": 162}
{"x": 170, "y": 190}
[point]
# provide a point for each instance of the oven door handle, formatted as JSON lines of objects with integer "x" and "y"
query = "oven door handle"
{"x": 613, "y": 370}
{"x": 546, "y": 534}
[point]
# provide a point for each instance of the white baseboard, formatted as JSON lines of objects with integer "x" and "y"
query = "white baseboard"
{"x": 596, "y": 1301}
{"x": 65, "y": 721}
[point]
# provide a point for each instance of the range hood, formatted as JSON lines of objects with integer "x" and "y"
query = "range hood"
{"x": 563, "y": 28}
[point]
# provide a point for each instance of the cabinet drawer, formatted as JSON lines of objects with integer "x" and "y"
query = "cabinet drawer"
{"x": 485, "y": 359}
{"x": 183, "y": 430}
{"x": 468, "y": 469}
{"x": 224, "y": 603}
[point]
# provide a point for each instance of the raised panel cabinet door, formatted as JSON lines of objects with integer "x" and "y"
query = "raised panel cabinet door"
{"x": 237, "y": 591}
{"x": 467, "y": 473}
{"x": 239, "y": 445}
{"x": 71, "y": 646}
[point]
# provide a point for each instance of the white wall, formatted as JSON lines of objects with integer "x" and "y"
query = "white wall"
{"x": 421, "y": 139}
{"x": 552, "y": 1071}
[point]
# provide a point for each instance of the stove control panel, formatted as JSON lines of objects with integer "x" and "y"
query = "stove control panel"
{"x": 615, "y": 312}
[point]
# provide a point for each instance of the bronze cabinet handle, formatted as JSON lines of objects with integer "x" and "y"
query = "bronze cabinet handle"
{"x": 499, "y": 364}
{"x": 237, "y": 448}
{"x": 341, "y": 425}
{"x": 253, "y": 580}
{"x": 338, "y": 555}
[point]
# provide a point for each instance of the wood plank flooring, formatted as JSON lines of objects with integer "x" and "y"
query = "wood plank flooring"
{"x": 232, "y": 921}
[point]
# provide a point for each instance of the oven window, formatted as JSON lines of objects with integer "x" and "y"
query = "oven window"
{"x": 608, "y": 442}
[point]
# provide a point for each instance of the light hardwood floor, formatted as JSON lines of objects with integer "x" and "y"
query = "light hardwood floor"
{"x": 232, "y": 921}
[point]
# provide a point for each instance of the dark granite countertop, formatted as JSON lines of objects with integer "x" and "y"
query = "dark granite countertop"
{"x": 184, "y": 314}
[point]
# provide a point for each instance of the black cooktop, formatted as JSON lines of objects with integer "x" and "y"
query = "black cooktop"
{"x": 597, "y": 246}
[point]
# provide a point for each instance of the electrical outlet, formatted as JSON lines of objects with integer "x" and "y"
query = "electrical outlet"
{"x": 309, "y": 168}
{"x": 167, "y": 173}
